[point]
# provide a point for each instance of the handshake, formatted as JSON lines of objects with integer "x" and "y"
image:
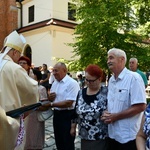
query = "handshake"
{"x": 51, "y": 99}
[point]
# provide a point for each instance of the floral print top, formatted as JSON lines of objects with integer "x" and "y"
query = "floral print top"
{"x": 146, "y": 127}
{"x": 89, "y": 109}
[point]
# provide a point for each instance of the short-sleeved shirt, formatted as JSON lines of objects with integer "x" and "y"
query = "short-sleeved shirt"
{"x": 66, "y": 89}
{"x": 128, "y": 89}
{"x": 143, "y": 76}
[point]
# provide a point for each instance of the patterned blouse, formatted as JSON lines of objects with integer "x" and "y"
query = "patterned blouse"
{"x": 146, "y": 127}
{"x": 89, "y": 109}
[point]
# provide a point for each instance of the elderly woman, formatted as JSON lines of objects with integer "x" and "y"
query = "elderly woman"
{"x": 90, "y": 104}
{"x": 143, "y": 136}
{"x": 35, "y": 129}
{"x": 25, "y": 63}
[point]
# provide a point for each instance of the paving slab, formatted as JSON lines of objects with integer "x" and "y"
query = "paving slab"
{"x": 50, "y": 140}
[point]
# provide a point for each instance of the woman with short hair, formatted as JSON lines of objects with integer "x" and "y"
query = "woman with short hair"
{"x": 90, "y": 104}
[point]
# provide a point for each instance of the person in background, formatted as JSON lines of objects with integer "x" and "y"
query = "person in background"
{"x": 148, "y": 74}
{"x": 149, "y": 81}
{"x": 40, "y": 68}
{"x": 32, "y": 66}
{"x": 91, "y": 102}
{"x": 64, "y": 91}
{"x": 143, "y": 135}
{"x": 126, "y": 102}
{"x": 35, "y": 131}
{"x": 45, "y": 77}
{"x": 50, "y": 68}
{"x": 133, "y": 66}
{"x": 52, "y": 78}
{"x": 69, "y": 74}
{"x": 80, "y": 80}
{"x": 25, "y": 63}
{"x": 16, "y": 90}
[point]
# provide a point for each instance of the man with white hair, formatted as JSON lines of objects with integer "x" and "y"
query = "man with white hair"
{"x": 133, "y": 66}
{"x": 16, "y": 90}
{"x": 126, "y": 100}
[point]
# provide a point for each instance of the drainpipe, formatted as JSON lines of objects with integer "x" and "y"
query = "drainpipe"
{"x": 21, "y": 13}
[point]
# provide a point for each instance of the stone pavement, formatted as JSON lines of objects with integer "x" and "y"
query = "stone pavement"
{"x": 49, "y": 137}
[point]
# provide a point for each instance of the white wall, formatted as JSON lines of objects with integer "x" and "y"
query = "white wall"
{"x": 43, "y": 10}
{"x": 60, "y": 9}
{"x": 49, "y": 42}
{"x": 41, "y": 45}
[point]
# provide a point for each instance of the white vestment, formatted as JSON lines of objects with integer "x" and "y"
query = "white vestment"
{"x": 16, "y": 90}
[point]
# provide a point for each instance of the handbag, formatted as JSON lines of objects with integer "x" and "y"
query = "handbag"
{"x": 44, "y": 115}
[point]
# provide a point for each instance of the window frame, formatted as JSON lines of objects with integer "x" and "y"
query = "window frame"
{"x": 31, "y": 12}
{"x": 71, "y": 11}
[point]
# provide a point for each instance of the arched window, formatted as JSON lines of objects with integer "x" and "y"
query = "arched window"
{"x": 28, "y": 52}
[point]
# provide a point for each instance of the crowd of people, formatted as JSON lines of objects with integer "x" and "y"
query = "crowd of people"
{"x": 108, "y": 117}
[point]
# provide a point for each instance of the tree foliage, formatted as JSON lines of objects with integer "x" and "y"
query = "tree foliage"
{"x": 105, "y": 24}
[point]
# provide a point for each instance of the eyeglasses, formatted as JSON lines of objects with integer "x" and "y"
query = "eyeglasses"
{"x": 20, "y": 63}
{"x": 91, "y": 81}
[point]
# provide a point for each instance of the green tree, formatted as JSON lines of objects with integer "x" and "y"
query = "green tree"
{"x": 105, "y": 24}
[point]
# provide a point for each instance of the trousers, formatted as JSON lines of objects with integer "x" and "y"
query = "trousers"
{"x": 62, "y": 126}
{"x": 115, "y": 145}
